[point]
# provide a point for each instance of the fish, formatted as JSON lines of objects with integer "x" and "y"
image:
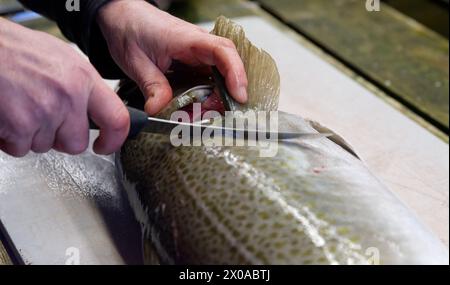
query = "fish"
{"x": 314, "y": 202}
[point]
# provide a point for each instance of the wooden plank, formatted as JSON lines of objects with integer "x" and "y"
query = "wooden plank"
{"x": 431, "y": 13}
{"x": 196, "y": 11}
{"x": 9, "y": 3}
{"x": 9, "y": 6}
{"x": 407, "y": 60}
{"x": 43, "y": 24}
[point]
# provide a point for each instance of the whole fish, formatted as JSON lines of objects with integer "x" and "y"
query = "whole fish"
{"x": 315, "y": 202}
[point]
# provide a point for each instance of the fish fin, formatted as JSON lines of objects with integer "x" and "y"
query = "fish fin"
{"x": 337, "y": 139}
{"x": 262, "y": 72}
{"x": 289, "y": 122}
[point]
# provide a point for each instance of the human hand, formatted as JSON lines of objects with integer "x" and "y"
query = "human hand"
{"x": 46, "y": 92}
{"x": 144, "y": 40}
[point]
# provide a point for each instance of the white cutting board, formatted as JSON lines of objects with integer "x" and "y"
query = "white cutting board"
{"x": 88, "y": 212}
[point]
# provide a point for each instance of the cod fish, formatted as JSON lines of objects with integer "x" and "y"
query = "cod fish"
{"x": 315, "y": 202}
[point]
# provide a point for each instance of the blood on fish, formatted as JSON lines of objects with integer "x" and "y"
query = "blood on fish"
{"x": 212, "y": 103}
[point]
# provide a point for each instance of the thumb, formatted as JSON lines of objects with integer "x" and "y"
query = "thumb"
{"x": 111, "y": 116}
{"x": 152, "y": 82}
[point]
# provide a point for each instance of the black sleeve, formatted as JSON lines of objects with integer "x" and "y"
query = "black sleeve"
{"x": 81, "y": 28}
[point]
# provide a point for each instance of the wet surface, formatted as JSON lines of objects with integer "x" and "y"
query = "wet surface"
{"x": 52, "y": 202}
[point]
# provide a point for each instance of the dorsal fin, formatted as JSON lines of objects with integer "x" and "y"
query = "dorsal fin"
{"x": 262, "y": 72}
{"x": 337, "y": 139}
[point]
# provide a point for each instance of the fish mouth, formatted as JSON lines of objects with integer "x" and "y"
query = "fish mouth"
{"x": 183, "y": 80}
{"x": 200, "y": 85}
{"x": 211, "y": 102}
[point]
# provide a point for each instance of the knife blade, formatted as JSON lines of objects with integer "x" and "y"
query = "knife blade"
{"x": 141, "y": 122}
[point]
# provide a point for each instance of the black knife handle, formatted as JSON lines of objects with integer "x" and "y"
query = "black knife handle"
{"x": 138, "y": 120}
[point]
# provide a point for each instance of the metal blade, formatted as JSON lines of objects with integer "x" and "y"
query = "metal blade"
{"x": 161, "y": 126}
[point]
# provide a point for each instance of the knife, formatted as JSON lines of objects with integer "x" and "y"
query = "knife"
{"x": 141, "y": 122}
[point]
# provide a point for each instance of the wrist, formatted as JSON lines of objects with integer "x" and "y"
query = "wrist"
{"x": 107, "y": 11}
{"x": 112, "y": 11}
{"x": 117, "y": 18}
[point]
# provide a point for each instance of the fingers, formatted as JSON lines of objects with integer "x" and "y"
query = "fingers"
{"x": 72, "y": 136}
{"x": 18, "y": 148}
{"x": 17, "y": 141}
{"x": 67, "y": 129}
{"x": 151, "y": 81}
{"x": 43, "y": 140}
{"x": 221, "y": 52}
{"x": 109, "y": 113}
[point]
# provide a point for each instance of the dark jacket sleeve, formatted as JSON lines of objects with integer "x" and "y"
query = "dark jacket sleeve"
{"x": 81, "y": 28}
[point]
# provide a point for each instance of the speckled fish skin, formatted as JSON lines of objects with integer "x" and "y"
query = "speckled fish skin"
{"x": 313, "y": 203}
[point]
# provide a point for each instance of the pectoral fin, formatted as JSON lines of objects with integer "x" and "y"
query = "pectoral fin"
{"x": 262, "y": 72}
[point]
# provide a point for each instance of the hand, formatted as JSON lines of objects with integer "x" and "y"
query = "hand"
{"x": 144, "y": 40}
{"x": 46, "y": 92}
